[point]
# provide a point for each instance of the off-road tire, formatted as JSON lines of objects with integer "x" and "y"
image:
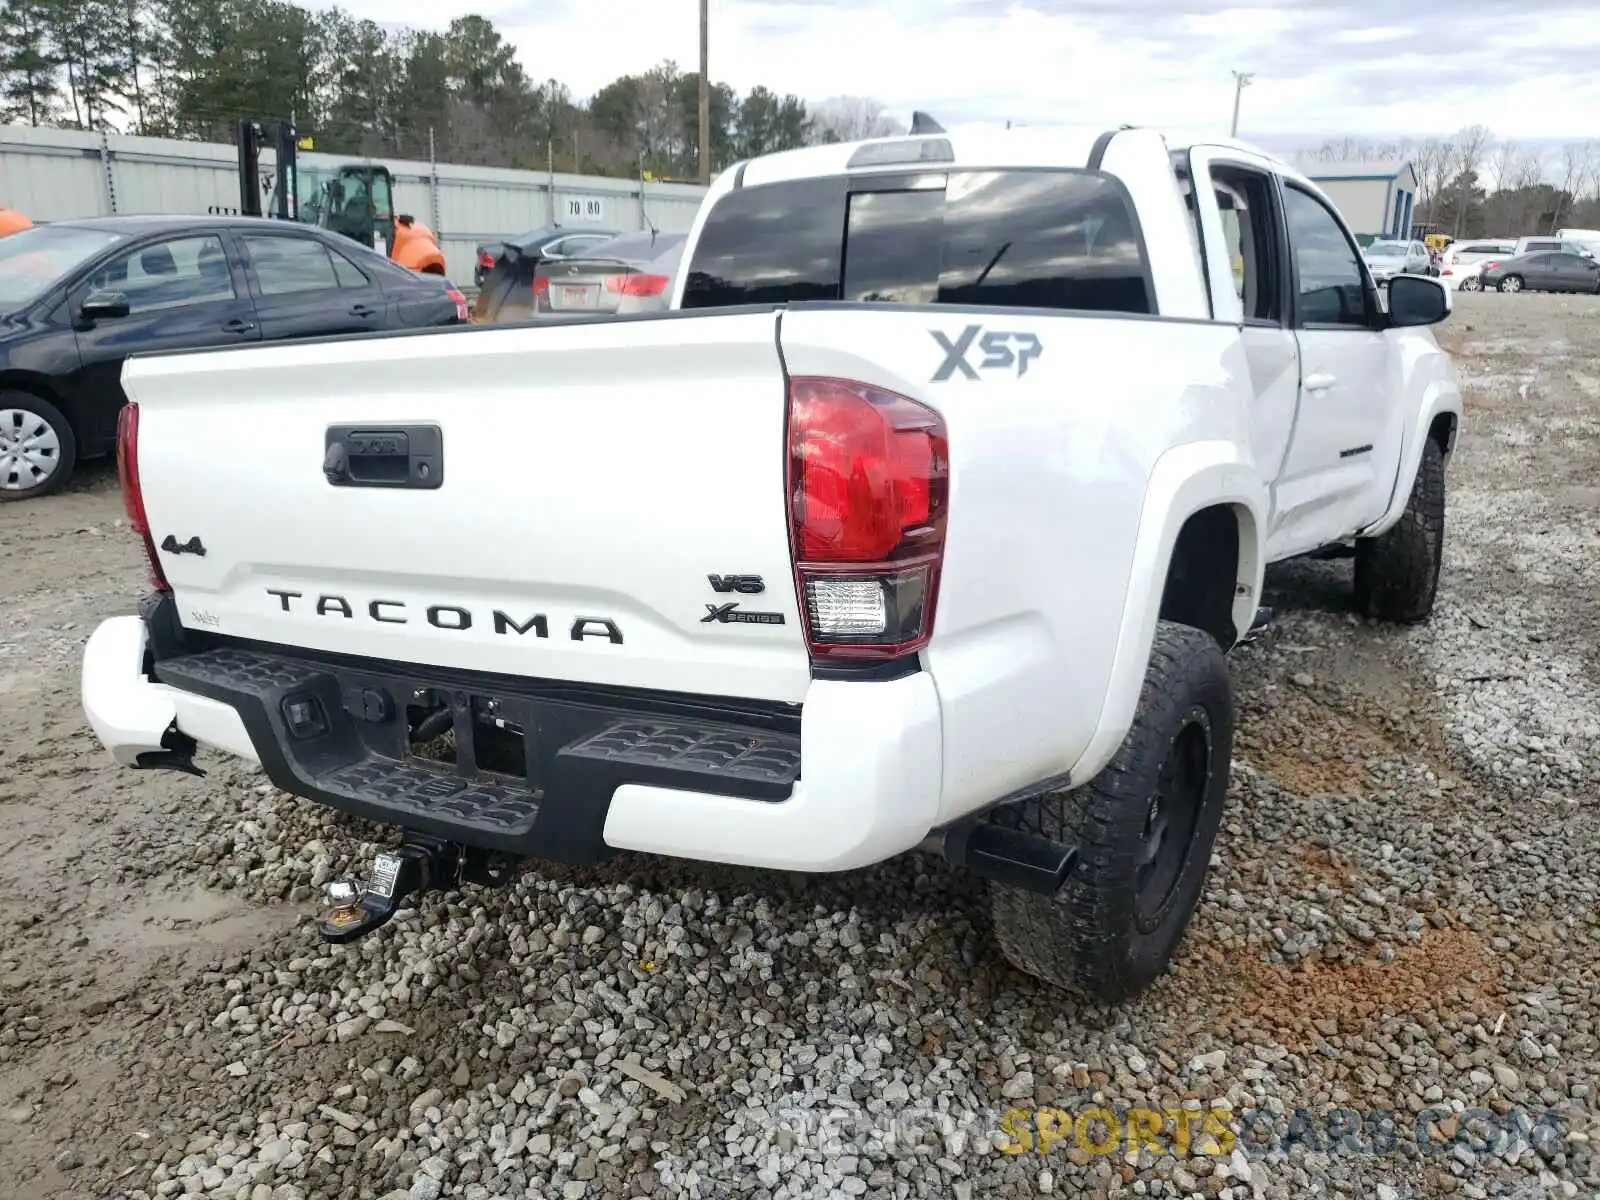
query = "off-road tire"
{"x": 1397, "y": 572}
{"x": 66, "y": 454}
{"x": 1088, "y": 938}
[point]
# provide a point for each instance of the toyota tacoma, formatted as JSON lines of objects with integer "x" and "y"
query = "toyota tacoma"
{"x": 924, "y": 519}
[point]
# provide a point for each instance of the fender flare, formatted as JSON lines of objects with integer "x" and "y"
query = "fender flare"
{"x": 1440, "y": 397}
{"x": 1185, "y": 480}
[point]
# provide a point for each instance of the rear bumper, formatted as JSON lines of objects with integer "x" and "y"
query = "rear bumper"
{"x": 850, "y": 780}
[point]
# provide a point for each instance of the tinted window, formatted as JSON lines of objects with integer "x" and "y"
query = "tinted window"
{"x": 347, "y": 273}
{"x": 285, "y": 265}
{"x": 34, "y": 259}
{"x": 1044, "y": 239}
{"x": 1332, "y": 287}
{"x": 772, "y": 244}
{"x": 170, "y": 274}
{"x": 892, "y": 246}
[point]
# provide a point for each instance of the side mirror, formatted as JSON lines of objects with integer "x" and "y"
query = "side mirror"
{"x": 1418, "y": 300}
{"x": 104, "y": 305}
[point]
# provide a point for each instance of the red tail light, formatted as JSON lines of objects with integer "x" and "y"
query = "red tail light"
{"x": 1489, "y": 266}
{"x": 541, "y": 285}
{"x": 462, "y": 311}
{"x": 132, "y": 495}
{"x": 637, "y": 285}
{"x": 868, "y": 492}
{"x": 485, "y": 259}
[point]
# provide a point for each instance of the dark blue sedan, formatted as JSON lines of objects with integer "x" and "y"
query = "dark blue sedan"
{"x": 78, "y": 297}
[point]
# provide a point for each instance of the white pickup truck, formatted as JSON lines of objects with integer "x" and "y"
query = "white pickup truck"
{"x": 922, "y": 520}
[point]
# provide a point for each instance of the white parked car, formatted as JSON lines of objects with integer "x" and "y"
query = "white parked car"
{"x": 1461, "y": 265}
{"x": 1387, "y": 259}
{"x": 923, "y": 520}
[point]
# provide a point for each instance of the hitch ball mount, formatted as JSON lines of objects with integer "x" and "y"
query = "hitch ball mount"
{"x": 418, "y": 865}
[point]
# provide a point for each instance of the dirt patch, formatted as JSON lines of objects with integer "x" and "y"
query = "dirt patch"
{"x": 1445, "y": 971}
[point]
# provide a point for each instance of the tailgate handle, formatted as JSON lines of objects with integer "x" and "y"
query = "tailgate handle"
{"x": 397, "y": 456}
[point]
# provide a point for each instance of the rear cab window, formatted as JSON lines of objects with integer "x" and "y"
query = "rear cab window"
{"x": 1048, "y": 239}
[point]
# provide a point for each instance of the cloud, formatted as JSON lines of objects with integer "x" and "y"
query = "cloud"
{"x": 1321, "y": 67}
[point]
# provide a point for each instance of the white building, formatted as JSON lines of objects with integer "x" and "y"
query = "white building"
{"x": 1376, "y": 198}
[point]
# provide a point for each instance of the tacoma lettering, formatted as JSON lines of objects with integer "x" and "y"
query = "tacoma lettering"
{"x": 452, "y": 617}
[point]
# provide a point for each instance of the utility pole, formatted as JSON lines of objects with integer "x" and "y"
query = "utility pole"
{"x": 705, "y": 93}
{"x": 1241, "y": 80}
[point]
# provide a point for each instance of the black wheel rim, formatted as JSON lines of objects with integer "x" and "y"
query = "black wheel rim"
{"x": 1172, "y": 817}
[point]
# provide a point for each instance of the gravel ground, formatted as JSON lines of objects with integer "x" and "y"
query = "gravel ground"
{"x": 1401, "y": 920}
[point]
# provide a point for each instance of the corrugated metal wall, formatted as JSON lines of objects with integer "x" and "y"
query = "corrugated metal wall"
{"x": 57, "y": 174}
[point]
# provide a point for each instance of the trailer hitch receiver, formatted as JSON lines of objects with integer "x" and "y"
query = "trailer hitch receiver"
{"x": 416, "y": 865}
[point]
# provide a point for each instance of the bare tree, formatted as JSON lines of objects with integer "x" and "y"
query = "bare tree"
{"x": 851, "y": 118}
{"x": 1432, "y": 159}
{"x": 1502, "y": 164}
{"x": 1577, "y": 161}
{"x": 1471, "y": 145}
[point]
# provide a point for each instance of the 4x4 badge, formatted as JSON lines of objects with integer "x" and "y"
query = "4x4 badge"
{"x": 731, "y": 614}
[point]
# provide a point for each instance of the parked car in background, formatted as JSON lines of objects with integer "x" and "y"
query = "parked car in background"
{"x": 1556, "y": 243}
{"x": 549, "y": 241}
{"x": 78, "y": 297}
{"x": 1461, "y": 266}
{"x": 1387, "y": 259}
{"x": 1551, "y": 271}
{"x": 629, "y": 274}
{"x": 1581, "y": 240}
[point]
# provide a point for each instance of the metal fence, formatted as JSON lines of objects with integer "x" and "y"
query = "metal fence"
{"x": 58, "y": 174}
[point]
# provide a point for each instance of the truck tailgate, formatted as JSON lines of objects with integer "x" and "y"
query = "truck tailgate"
{"x": 596, "y": 483}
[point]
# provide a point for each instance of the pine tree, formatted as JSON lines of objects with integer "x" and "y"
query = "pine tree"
{"x": 28, "y": 88}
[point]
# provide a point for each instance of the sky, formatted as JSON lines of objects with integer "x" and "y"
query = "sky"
{"x": 1377, "y": 69}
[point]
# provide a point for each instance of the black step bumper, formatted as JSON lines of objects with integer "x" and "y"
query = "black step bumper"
{"x": 529, "y": 766}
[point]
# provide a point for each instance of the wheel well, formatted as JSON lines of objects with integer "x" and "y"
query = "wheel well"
{"x": 40, "y": 389}
{"x": 1203, "y": 575}
{"x": 433, "y": 269}
{"x": 1443, "y": 431}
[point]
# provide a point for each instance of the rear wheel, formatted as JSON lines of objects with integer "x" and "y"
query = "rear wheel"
{"x": 1143, "y": 828}
{"x": 1471, "y": 284}
{"x": 1511, "y": 283}
{"x": 37, "y": 448}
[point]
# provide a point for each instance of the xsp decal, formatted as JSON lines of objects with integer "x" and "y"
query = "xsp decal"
{"x": 1002, "y": 351}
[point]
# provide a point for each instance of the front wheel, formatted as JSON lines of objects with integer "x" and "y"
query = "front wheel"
{"x": 1397, "y": 572}
{"x": 37, "y": 448}
{"x": 1143, "y": 829}
{"x": 1511, "y": 283}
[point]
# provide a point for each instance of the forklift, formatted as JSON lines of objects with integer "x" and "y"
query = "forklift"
{"x": 353, "y": 199}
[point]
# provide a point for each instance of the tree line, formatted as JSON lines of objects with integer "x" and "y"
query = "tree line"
{"x": 1474, "y": 184}
{"x": 193, "y": 68}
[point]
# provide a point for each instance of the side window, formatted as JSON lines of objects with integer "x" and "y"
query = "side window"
{"x": 1244, "y": 198}
{"x": 347, "y": 273}
{"x": 286, "y": 265}
{"x": 1333, "y": 288}
{"x": 170, "y": 274}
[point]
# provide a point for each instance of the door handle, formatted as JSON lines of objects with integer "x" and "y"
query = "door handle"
{"x": 1320, "y": 382}
{"x": 362, "y": 310}
{"x": 238, "y": 325}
